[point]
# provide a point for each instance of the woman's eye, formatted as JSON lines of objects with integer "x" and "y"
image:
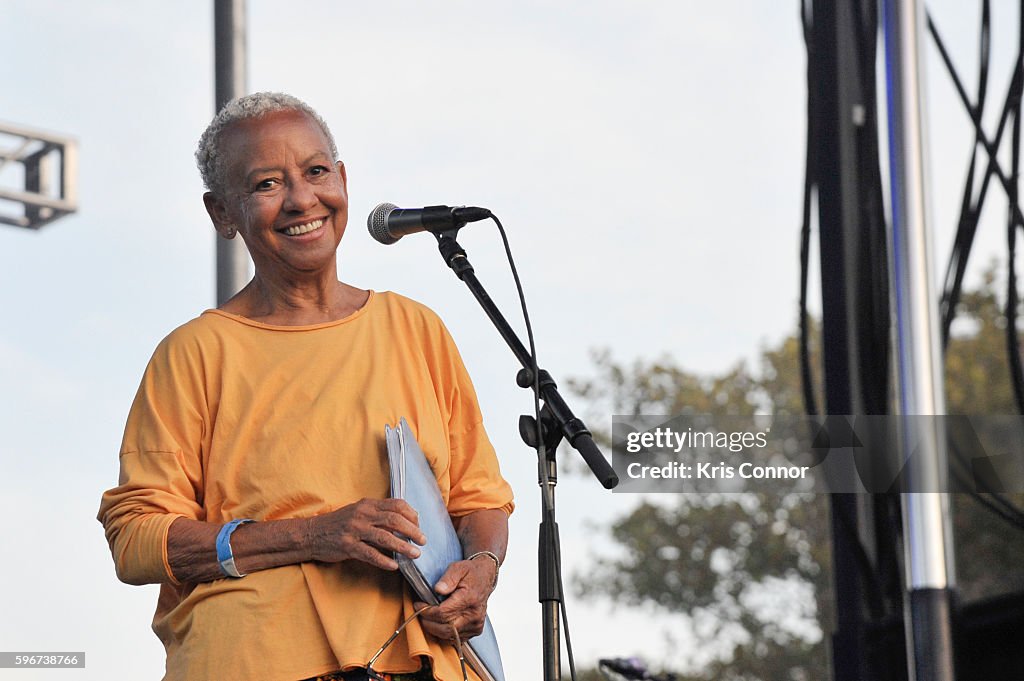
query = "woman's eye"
{"x": 264, "y": 185}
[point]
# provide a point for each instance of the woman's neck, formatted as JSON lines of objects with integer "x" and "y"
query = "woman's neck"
{"x": 296, "y": 303}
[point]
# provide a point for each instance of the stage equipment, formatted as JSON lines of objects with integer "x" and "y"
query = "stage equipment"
{"x": 844, "y": 176}
{"x": 843, "y": 168}
{"x": 229, "y": 83}
{"x": 919, "y": 388}
{"x": 543, "y": 431}
{"x": 388, "y": 223}
{"x": 47, "y": 188}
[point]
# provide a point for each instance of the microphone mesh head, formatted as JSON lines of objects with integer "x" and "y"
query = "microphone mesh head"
{"x": 377, "y": 223}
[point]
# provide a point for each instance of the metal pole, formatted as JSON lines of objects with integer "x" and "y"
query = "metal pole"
{"x": 929, "y": 565}
{"x": 229, "y": 83}
{"x": 838, "y": 218}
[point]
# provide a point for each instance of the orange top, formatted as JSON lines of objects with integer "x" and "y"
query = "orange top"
{"x": 239, "y": 419}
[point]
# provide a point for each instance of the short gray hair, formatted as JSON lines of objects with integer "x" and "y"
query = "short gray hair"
{"x": 209, "y": 156}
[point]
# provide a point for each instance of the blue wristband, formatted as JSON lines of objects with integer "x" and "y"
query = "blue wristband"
{"x": 225, "y": 558}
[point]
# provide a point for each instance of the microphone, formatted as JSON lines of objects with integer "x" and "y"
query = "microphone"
{"x": 388, "y": 223}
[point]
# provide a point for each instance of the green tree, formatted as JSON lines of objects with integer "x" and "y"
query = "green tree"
{"x": 717, "y": 561}
{"x": 989, "y": 551}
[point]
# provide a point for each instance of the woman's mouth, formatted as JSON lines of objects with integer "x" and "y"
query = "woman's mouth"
{"x": 296, "y": 230}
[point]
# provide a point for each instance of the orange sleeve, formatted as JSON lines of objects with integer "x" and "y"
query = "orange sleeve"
{"x": 476, "y": 481}
{"x": 160, "y": 477}
{"x": 476, "y": 478}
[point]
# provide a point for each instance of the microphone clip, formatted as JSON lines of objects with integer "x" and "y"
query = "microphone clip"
{"x": 453, "y": 253}
{"x": 448, "y": 218}
{"x": 442, "y": 218}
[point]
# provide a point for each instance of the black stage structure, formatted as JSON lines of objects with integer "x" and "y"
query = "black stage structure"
{"x": 844, "y": 194}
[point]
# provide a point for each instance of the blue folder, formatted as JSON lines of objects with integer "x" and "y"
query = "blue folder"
{"x": 413, "y": 480}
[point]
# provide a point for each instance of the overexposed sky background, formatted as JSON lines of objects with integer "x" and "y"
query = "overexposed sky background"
{"x": 645, "y": 157}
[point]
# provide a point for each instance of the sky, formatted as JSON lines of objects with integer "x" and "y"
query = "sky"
{"x": 646, "y": 159}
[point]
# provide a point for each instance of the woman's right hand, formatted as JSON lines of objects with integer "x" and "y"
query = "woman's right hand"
{"x": 365, "y": 531}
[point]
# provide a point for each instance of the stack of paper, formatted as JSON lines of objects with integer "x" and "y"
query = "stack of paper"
{"x": 414, "y": 481}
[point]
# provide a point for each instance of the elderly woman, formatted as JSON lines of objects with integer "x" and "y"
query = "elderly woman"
{"x": 254, "y": 482}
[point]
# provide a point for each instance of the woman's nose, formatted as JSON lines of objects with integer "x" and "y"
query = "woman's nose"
{"x": 299, "y": 196}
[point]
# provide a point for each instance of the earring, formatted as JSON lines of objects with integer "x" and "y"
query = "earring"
{"x": 230, "y": 233}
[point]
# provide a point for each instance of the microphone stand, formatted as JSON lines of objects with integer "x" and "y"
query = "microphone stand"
{"x": 556, "y": 421}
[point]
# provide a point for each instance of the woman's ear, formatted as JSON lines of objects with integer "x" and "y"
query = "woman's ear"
{"x": 219, "y": 215}
{"x": 344, "y": 175}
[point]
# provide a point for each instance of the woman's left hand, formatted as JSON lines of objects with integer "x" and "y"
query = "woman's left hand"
{"x": 467, "y": 585}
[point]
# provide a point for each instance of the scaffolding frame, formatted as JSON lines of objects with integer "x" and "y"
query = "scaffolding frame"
{"x": 49, "y": 189}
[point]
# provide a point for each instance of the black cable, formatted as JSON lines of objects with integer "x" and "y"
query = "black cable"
{"x": 970, "y": 211}
{"x": 1014, "y": 221}
{"x": 874, "y": 318}
{"x": 990, "y": 147}
{"x": 993, "y": 500}
{"x": 968, "y": 223}
{"x": 873, "y": 314}
{"x": 548, "y": 508}
{"x": 849, "y": 525}
{"x": 986, "y": 500}
{"x": 872, "y": 321}
{"x": 969, "y": 219}
{"x": 565, "y": 622}
{"x": 810, "y": 163}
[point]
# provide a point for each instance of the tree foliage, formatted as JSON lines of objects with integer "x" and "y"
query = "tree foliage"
{"x": 749, "y": 575}
{"x": 989, "y": 551}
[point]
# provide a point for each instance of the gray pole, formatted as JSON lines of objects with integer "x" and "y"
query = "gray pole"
{"x": 927, "y": 543}
{"x": 230, "y": 82}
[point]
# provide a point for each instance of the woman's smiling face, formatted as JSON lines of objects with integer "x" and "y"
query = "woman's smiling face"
{"x": 284, "y": 193}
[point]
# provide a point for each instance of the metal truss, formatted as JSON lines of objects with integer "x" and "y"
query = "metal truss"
{"x": 46, "y": 188}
